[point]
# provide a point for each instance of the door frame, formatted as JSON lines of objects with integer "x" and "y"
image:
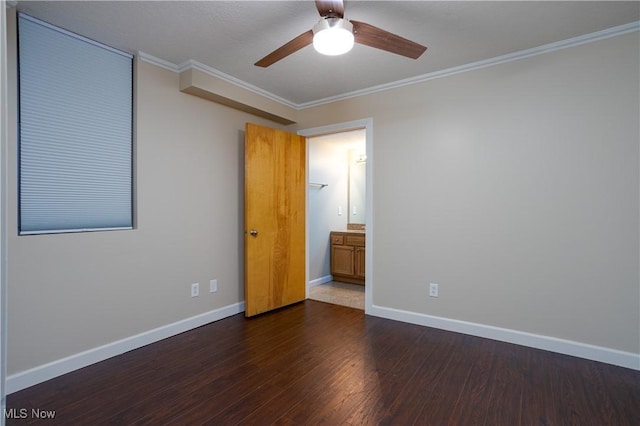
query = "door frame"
{"x": 367, "y": 124}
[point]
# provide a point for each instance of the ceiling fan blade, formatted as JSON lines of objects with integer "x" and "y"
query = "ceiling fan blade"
{"x": 330, "y": 8}
{"x": 287, "y": 49}
{"x": 380, "y": 39}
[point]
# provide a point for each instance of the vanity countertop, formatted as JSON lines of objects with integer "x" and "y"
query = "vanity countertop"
{"x": 358, "y": 227}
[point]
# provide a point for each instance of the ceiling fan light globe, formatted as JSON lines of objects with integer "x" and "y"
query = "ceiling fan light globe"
{"x": 333, "y": 36}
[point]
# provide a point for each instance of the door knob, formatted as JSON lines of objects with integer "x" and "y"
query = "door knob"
{"x": 253, "y": 233}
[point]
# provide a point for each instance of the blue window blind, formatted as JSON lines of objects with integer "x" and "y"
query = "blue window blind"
{"x": 75, "y": 132}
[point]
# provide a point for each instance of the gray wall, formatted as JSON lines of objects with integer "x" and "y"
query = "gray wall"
{"x": 72, "y": 292}
{"x": 514, "y": 187}
{"x": 328, "y": 163}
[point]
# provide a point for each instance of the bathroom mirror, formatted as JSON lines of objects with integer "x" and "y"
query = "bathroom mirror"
{"x": 357, "y": 184}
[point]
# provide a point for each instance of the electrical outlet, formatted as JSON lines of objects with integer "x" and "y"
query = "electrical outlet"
{"x": 213, "y": 286}
{"x": 195, "y": 289}
{"x": 433, "y": 290}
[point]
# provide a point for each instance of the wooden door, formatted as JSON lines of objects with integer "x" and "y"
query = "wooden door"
{"x": 275, "y": 183}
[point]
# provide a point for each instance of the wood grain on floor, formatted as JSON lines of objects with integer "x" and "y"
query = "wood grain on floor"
{"x": 314, "y": 363}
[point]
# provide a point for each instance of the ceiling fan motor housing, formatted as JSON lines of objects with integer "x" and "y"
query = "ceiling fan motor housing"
{"x": 333, "y": 36}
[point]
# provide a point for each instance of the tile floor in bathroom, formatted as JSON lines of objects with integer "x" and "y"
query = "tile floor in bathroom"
{"x": 338, "y": 293}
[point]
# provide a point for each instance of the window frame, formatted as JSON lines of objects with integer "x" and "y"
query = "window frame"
{"x": 131, "y": 143}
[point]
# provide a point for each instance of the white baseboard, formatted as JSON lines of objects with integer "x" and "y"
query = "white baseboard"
{"x": 321, "y": 280}
{"x": 39, "y": 374}
{"x": 24, "y": 379}
{"x": 553, "y": 344}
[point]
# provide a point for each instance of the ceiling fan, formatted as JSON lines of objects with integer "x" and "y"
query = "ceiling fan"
{"x": 332, "y": 23}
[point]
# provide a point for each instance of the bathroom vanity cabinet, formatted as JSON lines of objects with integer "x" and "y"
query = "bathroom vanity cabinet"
{"x": 348, "y": 256}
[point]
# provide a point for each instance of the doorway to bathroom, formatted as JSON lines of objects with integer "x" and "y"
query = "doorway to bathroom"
{"x": 339, "y": 216}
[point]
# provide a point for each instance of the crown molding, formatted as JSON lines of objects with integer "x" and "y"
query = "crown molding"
{"x": 235, "y": 81}
{"x": 523, "y": 54}
{"x": 190, "y": 63}
{"x": 170, "y": 66}
{"x": 546, "y": 48}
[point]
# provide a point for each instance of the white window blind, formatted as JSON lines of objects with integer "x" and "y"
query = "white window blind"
{"x": 75, "y": 132}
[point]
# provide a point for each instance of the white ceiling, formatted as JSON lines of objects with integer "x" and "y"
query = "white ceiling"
{"x": 232, "y": 36}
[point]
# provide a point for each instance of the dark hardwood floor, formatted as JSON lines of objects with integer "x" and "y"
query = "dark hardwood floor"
{"x": 317, "y": 363}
